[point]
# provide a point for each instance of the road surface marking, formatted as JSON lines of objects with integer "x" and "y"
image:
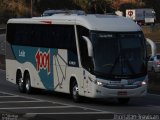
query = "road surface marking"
{"x": 7, "y": 93}
{"x": 76, "y": 106}
{"x": 58, "y": 103}
{"x": 55, "y": 102}
{"x": 20, "y": 102}
{"x": 15, "y": 108}
{"x": 67, "y": 113}
{"x": 31, "y": 98}
{"x": 9, "y": 96}
{"x": 20, "y": 96}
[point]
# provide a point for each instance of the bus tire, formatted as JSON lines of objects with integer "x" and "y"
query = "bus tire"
{"x": 20, "y": 82}
{"x": 28, "y": 87}
{"x": 123, "y": 101}
{"x": 75, "y": 91}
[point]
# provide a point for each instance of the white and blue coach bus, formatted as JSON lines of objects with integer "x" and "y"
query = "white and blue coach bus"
{"x": 96, "y": 56}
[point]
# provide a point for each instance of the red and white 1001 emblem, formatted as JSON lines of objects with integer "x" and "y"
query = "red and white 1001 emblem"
{"x": 43, "y": 60}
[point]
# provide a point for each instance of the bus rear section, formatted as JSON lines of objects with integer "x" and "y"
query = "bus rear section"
{"x": 40, "y": 56}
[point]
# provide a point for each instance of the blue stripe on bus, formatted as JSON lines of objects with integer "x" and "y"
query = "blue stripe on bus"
{"x": 34, "y": 55}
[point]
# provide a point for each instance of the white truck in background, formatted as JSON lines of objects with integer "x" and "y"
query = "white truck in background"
{"x": 141, "y": 16}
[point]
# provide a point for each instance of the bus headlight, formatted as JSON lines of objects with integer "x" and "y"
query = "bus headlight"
{"x": 143, "y": 83}
{"x": 99, "y": 83}
{"x": 140, "y": 83}
{"x": 96, "y": 81}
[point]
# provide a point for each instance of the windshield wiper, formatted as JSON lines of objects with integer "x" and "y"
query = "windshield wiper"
{"x": 130, "y": 67}
{"x": 128, "y": 64}
{"x": 114, "y": 65}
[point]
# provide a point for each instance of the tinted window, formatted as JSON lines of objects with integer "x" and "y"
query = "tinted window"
{"x": 118, "y": 54}
{"x": 36, "y": 35}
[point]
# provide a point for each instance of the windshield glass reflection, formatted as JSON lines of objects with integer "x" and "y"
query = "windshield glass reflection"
{"x": 119, "y": 54}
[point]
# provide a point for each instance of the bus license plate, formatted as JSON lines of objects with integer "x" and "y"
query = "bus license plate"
{"x": 122, "y": 93}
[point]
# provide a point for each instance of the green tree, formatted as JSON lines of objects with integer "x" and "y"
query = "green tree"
{"x": 43, "y": 5}
{"x": 95, "y": 6}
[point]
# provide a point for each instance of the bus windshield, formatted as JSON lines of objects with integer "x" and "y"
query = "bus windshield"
{"x": 119, "y": 55}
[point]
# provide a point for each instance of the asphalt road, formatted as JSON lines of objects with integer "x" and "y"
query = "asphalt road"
{"x": 46, "y": 105}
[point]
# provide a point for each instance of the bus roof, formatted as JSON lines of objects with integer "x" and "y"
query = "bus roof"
{"x": 91, "y": 21}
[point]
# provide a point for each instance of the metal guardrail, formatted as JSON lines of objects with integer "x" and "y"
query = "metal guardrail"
{"x": 2, "y": 30}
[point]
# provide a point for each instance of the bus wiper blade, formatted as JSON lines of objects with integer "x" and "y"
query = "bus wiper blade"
{"x": 128, "y": 64}
{"x": 130, "y": 67}
{"x": 114, "y": 65}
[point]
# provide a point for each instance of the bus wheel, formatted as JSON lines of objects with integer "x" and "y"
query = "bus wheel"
{"x": 75, "y": 92}
{"x": 20, "y": 82}
{"x": 28, "y": 87}
{"x": 123, "y": 100}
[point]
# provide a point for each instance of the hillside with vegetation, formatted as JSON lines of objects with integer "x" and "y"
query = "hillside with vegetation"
{"x": 22, "y": 8}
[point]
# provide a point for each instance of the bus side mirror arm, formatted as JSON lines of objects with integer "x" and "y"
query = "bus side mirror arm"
{"x": 153, "y": 46}
{"x": 89, "y": 46}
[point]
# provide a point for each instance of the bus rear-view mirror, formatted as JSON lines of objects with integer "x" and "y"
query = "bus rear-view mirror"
{"x": 89, "y": 46}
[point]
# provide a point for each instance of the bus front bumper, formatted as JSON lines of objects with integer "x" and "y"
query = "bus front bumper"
{"x": 102, "y": 92}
